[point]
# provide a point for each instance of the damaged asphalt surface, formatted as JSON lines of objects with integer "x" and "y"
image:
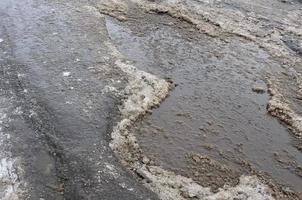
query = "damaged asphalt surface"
{"x": 55, "y": 113}
{"x": 73, "y": 99}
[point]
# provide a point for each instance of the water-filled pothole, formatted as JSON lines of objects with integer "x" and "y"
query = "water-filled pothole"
{"x": 218, "y": 108}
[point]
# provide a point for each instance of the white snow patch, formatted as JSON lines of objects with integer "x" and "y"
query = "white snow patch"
{"x": 66, "y": 74}
{"x": 20, "y": 75}
{"x": 8, "y": 180}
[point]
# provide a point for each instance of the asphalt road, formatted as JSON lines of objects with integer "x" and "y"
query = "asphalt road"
{"x": 62, "y": 84}
{"x": 56, "y": 118}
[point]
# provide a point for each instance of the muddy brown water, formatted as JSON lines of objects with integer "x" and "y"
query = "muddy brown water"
{"x": 213, "y": 110}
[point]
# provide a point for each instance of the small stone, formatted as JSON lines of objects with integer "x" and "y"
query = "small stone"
{"x": 258, "y": 89}
{"x": 1, "y": 40}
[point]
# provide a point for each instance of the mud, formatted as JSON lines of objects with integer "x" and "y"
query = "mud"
{"x": 218, "y": 107}
{"x": 210, "y": 173}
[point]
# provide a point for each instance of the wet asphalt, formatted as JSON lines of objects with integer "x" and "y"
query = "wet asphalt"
{"x": 54, "y": 65}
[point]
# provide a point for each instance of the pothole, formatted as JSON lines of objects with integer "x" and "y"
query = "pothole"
{"x": 216, "y": 110}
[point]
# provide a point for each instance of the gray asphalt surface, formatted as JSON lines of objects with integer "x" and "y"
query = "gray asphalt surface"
{"x": 54, "y": 65}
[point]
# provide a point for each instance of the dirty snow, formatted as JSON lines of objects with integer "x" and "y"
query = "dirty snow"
{"x": 279, "y": 107}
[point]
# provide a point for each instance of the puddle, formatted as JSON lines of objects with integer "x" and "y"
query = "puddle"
{"x": 215, "y": 109}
